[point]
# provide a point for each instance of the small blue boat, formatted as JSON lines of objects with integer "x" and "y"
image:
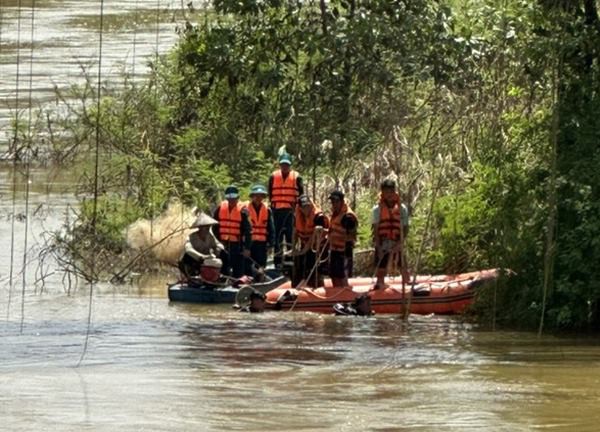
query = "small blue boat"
{"x": 204, "y": 293}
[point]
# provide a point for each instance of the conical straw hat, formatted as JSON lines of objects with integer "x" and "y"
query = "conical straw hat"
{"x": 204, "y": 220}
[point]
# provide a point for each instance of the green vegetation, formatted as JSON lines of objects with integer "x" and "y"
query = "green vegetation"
{"x": 492, "y": 107}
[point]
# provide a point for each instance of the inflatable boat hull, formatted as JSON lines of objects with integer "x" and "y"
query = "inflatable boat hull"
{"x": 442, "y": 294}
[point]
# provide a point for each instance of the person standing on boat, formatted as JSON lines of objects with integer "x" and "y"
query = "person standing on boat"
{"x": 390, "y": 228}
{"x": 200, "y": 246}
{"x": 342, "y": 237}
{"x": 263, "y": 229}
{"x": 234, "y": 231}
{"x": 285, "y": 186}
{"x": 309, "y": 236}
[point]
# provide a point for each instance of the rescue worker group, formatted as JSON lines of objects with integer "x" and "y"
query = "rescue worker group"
{"x": 239, "y": 237}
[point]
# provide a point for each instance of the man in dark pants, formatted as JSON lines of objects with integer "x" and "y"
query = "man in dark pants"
{"x": 309, "y": 235}
{"x": 285, "y": 186}
{"x": 234, "y": 232}
{"x": 263, "y": 230}
{"x": 342, "y": 236}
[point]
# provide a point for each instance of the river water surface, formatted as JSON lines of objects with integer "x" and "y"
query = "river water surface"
{"x": 154, "y": 366}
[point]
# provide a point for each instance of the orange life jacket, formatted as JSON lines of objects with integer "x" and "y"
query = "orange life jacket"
{"x": 305, "y": 226}
{"x": 259, "y": 221}
{"x": 338, "y": 235}
{"x": 390, "y": 219}
{"x": 284, "y": 193}
{"x": 230, "y": 222}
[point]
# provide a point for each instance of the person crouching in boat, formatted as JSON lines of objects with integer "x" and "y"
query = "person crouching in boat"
{"x": 390, "y": 228}
{"x": 342, "y": 236}
{"x": 263, "y": 230}
{"x": 234, "y": 231}
{"x": 201, "y": 245}
{"x": 309, "y": 237}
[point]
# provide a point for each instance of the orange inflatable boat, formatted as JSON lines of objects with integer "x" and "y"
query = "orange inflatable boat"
{"x": 442, "y": 294}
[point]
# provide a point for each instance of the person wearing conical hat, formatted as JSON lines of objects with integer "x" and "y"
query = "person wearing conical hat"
{"x": 263, "y": 229}
{"x": 285, "y": 187}
{"x": 234, "y": 231}
{"x": 200, "y": 245}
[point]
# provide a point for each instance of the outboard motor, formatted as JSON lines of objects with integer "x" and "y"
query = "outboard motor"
{"x": 210, "y": 271}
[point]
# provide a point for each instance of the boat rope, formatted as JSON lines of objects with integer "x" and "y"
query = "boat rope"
{"x": 317, "y": 242}
{"x": 301, "y": 286}
{"x": 28, "y": 156}
{"x": 13, "y": 152}
{"x": 96, "y": 174}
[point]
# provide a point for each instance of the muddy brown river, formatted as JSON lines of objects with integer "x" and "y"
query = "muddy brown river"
{"x": 155, "y": 366}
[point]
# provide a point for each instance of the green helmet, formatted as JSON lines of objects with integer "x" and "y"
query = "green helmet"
{"x": 285, "y": 159}
{"x": 258, "y": 189}
{"x": 232, "y": 192}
